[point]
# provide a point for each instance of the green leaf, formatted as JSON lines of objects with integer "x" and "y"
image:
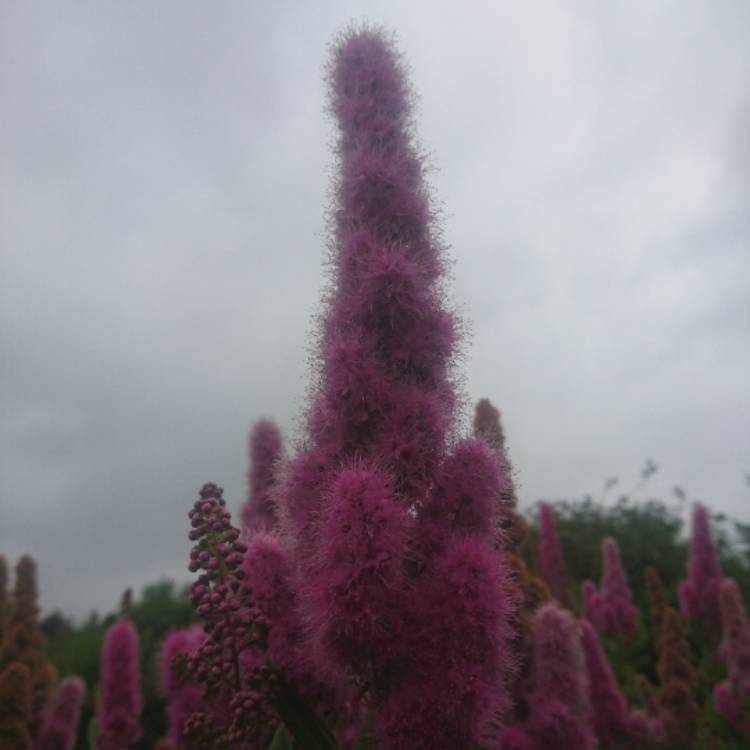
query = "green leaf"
{"x": 307, "y": 730}
{"x": 281, "y": 740}
{"x": 91, "y": 733}
{"x": 364, "y": 740}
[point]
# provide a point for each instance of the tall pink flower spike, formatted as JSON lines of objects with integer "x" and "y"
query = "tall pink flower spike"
{"x": 732, "y": 697}
{"x": 699, "y": 593}
{"x": 611, "y": 608}
{"x": 610, "y": 715}
{"x": 550, "y": 556}
{"x": 184, "y": 697}
{"x": 120, "y": 691}
{"x": 559, "y": 703}
{"x": 259, "y": 513}
{"x": 58, "y": 731}
{"x": 386, "y": 529}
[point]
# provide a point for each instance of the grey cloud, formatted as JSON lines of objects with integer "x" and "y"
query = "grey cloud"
{"x": 165, "y": 175}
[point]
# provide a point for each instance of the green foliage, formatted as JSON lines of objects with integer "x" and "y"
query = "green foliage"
{"x": 308, "y": 730}
{"x": 648, "y": 533}
{"x": 281, "y": 740}
{"x": 91, "y": 732}
{"x": 365, "y": 740}
{"x": 651, "y": 533}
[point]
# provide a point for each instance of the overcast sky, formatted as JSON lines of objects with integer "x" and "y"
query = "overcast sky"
{"x": 164, "y": 172}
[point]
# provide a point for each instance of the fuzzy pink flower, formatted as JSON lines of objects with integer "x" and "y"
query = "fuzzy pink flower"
{"x": 727, "y": 704}
{"x": 590, "y": 600}
{"x": 459, "y": 656}
{"x": 731, "y": 695}
{"x": 646, "y": 727}
{"x": 387, "y": 341}
{"x": 304, "y": 482}
{"x": 610, "y": 715}
{"x": 559, "y": 668}
{"x": 259, "y": 513}
{"x": 611, "y": 608}
{"x": 609, "y": 710}
{"x": 556, "y": 727}
{"x": 269, "y": 578}
{"x": 181, "y": 706}
{"x": 120, "y": 696}
{"x": 466, "y": 498}
{"x": 411, "y": 718}
{"x": 487, "y": 425}
{"x": 427, "y": 633}
{"x": 515, "y": 738}
{"x": 467, "y": 607}
{"x": 58, "y": 731}
{"x": 439, "y": 711}
{"x": 699, "y": 593}
{"x": 177, "y": 642}
{"x": 184, "y": 698}
{"x": 558, "y": 705}
{"x": 357, "y": 597}
{"x": 550, "y": 555}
